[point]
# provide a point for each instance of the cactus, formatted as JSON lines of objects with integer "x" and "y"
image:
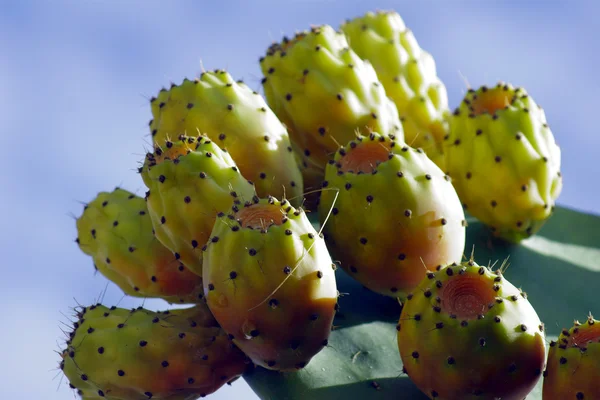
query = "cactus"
{"x": 466, "y": 332}
{"x": 573, "y": 369}
{"x": 394, "y": 214}
{"x": 501, "y": 132}
{"x": 408, "y": 74}
{"x": 559, "y": 269}
{"x": 236, "y": 118}
{"x": 324, "y": 93}
{"x": 116, "y": 230}
{"x": 117, "y": 354}
{"x": 191, "y": 181}
{"x": 270, "y": 283}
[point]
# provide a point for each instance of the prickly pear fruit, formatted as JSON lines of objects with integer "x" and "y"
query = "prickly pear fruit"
{"x": 116, "y": 230}
{"x": 408, "y": 74}
{"x": 324, "y": 93}
{"x": 573, "y": 368}
{"x": 191, "y": 181}
{"x": 270, "y": 283}
{"x": 503, "y": 160}
{"x": 393, "y": 214}
{"x": 118, "y": 354}
{"x": 239, "y": 120}
{"x": 467, "y": 333}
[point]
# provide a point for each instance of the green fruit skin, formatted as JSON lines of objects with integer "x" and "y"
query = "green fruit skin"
{"x": 573, "y": 369}
{"x": 499, "y": 354}
{"x": 239, "y": 120}
{"x": 273, "y": 289}
{"x": 188, "y": 191}
{"x": 504, "y": 165}
{"x": 118, "y": 354}
{"x": 408, "y": 74}
{"x": 324, "y": 93}
{"x": 389, "y": 227}
{"x": 116, "y": 230}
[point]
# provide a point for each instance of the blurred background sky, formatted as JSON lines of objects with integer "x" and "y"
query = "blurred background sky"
{"x": 76, "y": 76}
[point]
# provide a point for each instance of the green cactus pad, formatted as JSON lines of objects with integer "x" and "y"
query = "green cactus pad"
{"x": 573, "y": 368}
{"x": 116, "y": 354}
{"x": 239, "y": 120}
{"x": 191, "y": 181}
{"x": 324, "y": 93}
{"x": 393, "y": 214}
{"x": 116, "y": 230}
{"x": 467, "y": 333}
{"x": 270, "y": 283}
{"x": 408, "y": 74}
{"x": 503, "y": 160}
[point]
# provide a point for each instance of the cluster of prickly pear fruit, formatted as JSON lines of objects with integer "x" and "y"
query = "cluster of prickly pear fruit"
{"x": 394, "y": 214}
{"x": 262, "y": 249}
{"x": 360, "y": 117}
{"x": 155, "y": 247}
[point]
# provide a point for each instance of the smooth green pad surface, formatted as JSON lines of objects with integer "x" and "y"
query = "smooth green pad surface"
{"x": 559, "y": 268}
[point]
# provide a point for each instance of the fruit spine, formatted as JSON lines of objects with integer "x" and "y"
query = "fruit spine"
{"x": 114, "y": 354}
{"x": 503, "y": 160}
{"x": 269, "y": 281}
{"x": 116, "y": 230}
{"x": 467, "y": 333}
{"x": 191, "y": 181}
{"x": 324, "y": 93}
{"x": 408, "y": 74}
{"x": 239, "y": 120}
{"x": 394, "y": 214}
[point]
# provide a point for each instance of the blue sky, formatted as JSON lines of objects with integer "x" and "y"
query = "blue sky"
{"x": 75, "y": 77}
